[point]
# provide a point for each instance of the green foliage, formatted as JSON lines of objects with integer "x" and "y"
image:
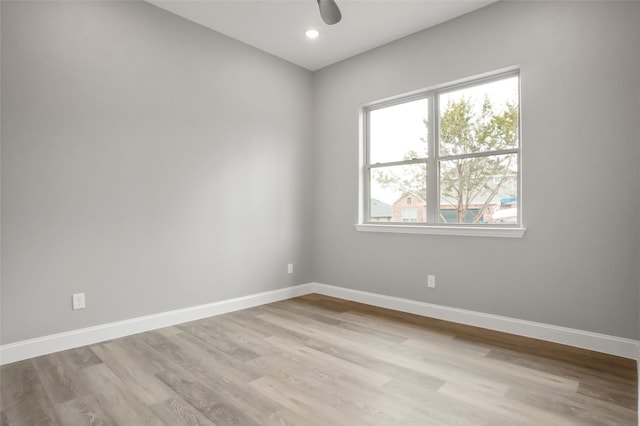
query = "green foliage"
{"x": 465, "y": 129}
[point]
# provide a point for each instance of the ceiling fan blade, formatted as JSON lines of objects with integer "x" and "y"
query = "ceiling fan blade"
{"x": 329, "y": 11}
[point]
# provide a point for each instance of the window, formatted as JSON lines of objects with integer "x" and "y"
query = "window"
{"x": 453, "y": 152}
{"x": 409, "y": 215}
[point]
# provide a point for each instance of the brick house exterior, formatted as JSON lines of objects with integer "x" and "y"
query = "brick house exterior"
{"x": 409, "y": 207}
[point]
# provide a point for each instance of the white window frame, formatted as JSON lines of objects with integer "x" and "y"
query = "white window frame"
{"x": 432, "y": 161}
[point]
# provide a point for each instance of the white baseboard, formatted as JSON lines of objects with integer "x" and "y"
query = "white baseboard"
{"x": 18, "y": 351}
{"x": 86, "y": 336}
{"x": 613, "y": 345}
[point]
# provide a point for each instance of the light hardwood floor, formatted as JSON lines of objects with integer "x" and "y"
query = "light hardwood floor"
{"x": 316, "y": 360}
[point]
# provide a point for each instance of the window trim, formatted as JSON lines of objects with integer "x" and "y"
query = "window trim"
{"x": 461, "y": 231}
{"x": 431, "y": 162}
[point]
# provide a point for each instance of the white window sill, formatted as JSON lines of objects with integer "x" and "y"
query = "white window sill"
{"x": 462, "y": 231}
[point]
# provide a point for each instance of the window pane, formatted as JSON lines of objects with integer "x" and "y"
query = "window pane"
{"x": 479, "y": 118}
{"x": 398, "y": 132}
{"x": 480, "y": 190}
{"x": 409, "y": 215}
{"x": 398, "y": 194}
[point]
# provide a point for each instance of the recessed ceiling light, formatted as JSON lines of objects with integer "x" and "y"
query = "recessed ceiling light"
{"x": 312, "y": 34}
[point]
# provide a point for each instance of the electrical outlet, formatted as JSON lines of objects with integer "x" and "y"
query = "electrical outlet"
{"x": 431, "y": 281}
{"x": 78, "y": 301}
{"x": 290, "y": 268}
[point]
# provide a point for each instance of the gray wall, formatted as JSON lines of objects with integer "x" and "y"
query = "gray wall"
{"x": 155, "y": 165}
{"x": 577, "y": 265}
{"x": 146, "y": 161}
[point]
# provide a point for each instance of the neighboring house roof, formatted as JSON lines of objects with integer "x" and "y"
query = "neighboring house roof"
{"x": 380, "y": 209}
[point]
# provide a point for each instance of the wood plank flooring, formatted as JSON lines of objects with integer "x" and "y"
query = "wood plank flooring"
{"x": 316, "y": 360}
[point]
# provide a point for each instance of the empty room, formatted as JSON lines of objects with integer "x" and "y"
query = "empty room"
{"x": 319, "y": 212}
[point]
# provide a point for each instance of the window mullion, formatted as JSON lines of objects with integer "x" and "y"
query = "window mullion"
{"x": 398, "y": 163}
{"x": 432, "y": 163}
{"x": 479, "y": 154}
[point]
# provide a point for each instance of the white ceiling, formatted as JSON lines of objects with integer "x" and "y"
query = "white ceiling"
{"x": 278, "y": 26}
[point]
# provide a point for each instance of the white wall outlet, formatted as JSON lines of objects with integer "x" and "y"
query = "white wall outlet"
{"x": 78, "y": 301}
{"x": 290, "y": 268}
{"x": 431, "y": 281}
